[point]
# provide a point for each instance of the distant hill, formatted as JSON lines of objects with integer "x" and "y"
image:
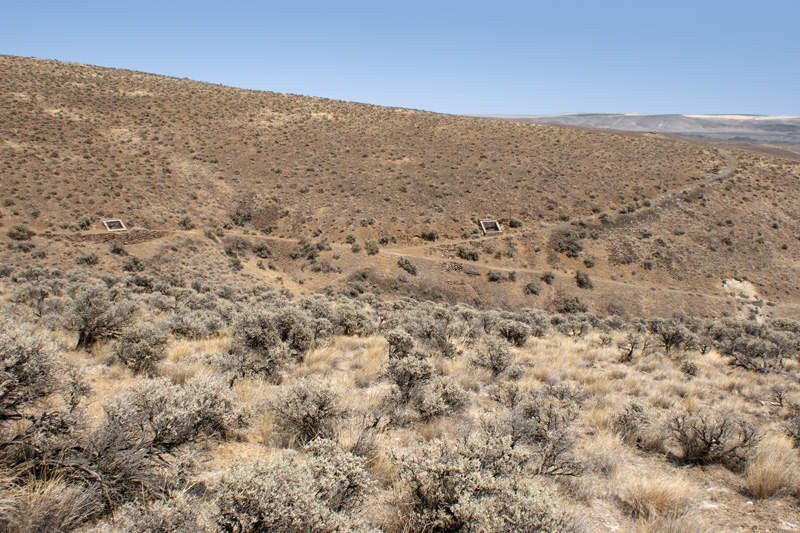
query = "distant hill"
{"x": 738, "y": 128}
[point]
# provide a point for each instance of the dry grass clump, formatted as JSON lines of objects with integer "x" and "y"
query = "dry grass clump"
{"x": 47, "y": 505}
{"x": 654, "y": 497}
{"x": 774, "y": 467}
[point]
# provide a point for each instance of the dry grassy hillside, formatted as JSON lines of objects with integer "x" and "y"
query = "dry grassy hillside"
{"x": 213, "y": 173}
{"x": 303, "y": 328}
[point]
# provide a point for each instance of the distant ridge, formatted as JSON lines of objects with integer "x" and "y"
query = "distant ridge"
{"x": 739, "y": 127}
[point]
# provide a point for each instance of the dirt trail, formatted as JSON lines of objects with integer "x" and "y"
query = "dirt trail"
{"x": 428, "y": 252}
{"x": 419, "y": 252}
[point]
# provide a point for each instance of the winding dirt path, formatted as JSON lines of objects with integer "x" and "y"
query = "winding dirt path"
{"x": 419, "y": 252}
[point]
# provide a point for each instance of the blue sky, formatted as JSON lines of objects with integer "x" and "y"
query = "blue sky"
{"x": 701, "y": 56}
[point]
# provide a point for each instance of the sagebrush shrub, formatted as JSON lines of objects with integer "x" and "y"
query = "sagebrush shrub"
{"x": 342, "y": 478}
{"x": 430, "y": 234}
{"x": 515, "y": 332}
{"x": 256, "y": 331}
{"x": 371, "y": 246}
{"x": 492, "y": 354}
{"x": 96, "y": 317}
{"x": 441, "y": 396}
{"x": 400, "y": 343}
{"x": 477, "y": 485}
{"x": 532, "y": 288}
{"x": 306, "y": 409}
{"x": 407, "y": 265}
{"x": 670, "y": 333}
{"x": 631, "y": 423}
{"x": 407, "y": 372}
{"x": 140, "y": 347}
{"x": 28, "y": 369}
{"x": 468, "y": 252}
{"x": 276, "y": 495}
{"x": 583, "y": 280}
{"x": 20, "y": 232}
{"x": 168, "y": 415}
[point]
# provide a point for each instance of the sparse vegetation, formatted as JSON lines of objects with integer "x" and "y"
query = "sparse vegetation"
{"x": 265, "y": 378}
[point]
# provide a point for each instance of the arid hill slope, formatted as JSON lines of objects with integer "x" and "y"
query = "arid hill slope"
{"x": 212, "y": 171}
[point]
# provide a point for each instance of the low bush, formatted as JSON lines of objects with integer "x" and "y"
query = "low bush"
{"x": 96, "y": 317}
{"x": 371, "y": 246}
{"x": 20, "y": 232}
{"x": 707, "y": 437}
{"x": 496, "y": 276}
{"x": 568, "y": 243}
{"x": 494, "y": 355}
{"x": 407, "y": 372}
{"x": 458, "y": 487}
{"x": 515, "y": 332}
{"x": 282, "y": 495}
{"x": 440, "y": 396}
{"x": 29, "y": 369}
{"x": 306, "y": 409}
{"x": 569, "y": 305}
{"x": 468, "y": 253}
{"x": 140, "y": 347}
{"x": 407, "y": 265}
{"x": 532, "y": 289}
{"x": 583, "y": 280}
{"x": 430, "y": 234}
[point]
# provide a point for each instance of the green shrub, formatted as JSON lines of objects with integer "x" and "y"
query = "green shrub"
{"x": 548, "y": 277}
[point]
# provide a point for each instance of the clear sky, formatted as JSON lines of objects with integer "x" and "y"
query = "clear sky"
{"x": 558, "y": 56}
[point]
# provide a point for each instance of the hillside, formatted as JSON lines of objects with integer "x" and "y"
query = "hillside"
{"x": 303, "y": 327}
{"x": 207, "y": 172}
